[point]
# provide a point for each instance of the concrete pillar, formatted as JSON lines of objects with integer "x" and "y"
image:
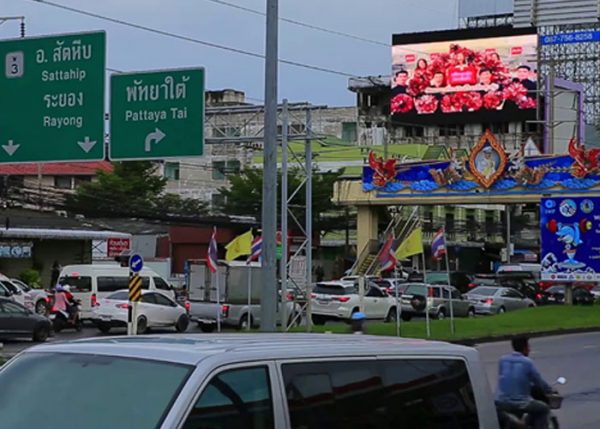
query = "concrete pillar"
{"x": 366, "y": 226}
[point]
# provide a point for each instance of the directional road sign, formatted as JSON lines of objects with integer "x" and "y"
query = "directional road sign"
{"x": 136, "y": 263}
{"x": 157, "y": 114}
{"x": 52, "y": 98}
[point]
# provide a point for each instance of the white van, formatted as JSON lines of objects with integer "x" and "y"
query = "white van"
{"x": 89, "y": 283}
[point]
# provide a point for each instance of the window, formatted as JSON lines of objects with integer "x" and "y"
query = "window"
{"x": 425, "y": 393}
{"x": 374, "y": 292}
{"x": 218, "y": 170}
{"x": 111, "y": 284}
{"x": 349, "y": 131}
{"x": 12, "y": 308}
{"x": 452, "y": 131}
{"x": 77, "y": 284}
{"x": 63, "y": 182}
{"x": 11, "y": 287}
{"x": 416, "y": 290}
{"x": 120, "y": 296}
{"x": 80, "y": 383}
{"x": 172, "y": 170}
{"x": 163, "y": 300}
{"x": 235, "y": 399}
{"x": 511, "y": 293}
{"x": 161, "y": 284}
{"x": 149, "y": 298}
{"x": 234, "y": 166}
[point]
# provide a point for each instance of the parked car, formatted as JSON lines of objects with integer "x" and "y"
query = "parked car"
{"x": 497, "y": 300}
{"x": 353, "y": 279}
{"x": 458, "y": 279}
{"x": 529, "y": 288}
{"x": 556, "y": 295}
{"x": 390, "y": 285}
{"x": 39, "y": 296}
{"x": 232, "y": 381}
{"x": 595, "y": 290}
{"x": 14, "y": 292}
{"x": 483, "y": 280}
{"x": 154, "y": 310}
{"x": 16, "y": 321}
{"x": 338, "y": 300}
{"x": 439, "y": 298}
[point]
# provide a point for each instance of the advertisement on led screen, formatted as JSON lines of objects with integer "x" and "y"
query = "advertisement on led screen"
{"x": 455, "y": 80}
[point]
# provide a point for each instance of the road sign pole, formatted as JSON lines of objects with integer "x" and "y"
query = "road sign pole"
{"x": 134, "y": 329}
{"x": 136, "y": 263}
{"x": 268, "y": 301}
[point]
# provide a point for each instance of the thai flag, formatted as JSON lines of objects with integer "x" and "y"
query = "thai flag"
{"x": 438, "y": 245}
{"x": 212, "y": 252}
{"x": 387, "y": 258}
{"x": 256, "y": 249}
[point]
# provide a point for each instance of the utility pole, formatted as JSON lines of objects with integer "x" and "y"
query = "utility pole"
{"x": 268, "y": 303}
{"x": 283, "y": 270}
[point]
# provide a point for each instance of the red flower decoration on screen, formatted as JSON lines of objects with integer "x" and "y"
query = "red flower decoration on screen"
{"x": 474, "y": 101}
{"x": 401, "y": 103}
{"x": 515, "y": 92}
{"x": 527, "y": 103}
{"x": 426, "y": 104}
{"x": 492, "y": 100}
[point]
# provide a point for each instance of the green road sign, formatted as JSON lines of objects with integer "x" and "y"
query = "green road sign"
{"x": 52, "y": 98}
{"x": 157, "y": 114}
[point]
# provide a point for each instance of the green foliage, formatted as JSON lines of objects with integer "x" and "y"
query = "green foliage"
{"x": 131, "y": 189}
{"x": 244, "y": 197}
{"x": 32, "y": 278}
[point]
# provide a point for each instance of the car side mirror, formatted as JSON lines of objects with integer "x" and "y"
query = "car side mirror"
{"x": 561, "y": 380}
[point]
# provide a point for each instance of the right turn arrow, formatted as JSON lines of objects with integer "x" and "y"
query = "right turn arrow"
{"x": 10, "y": 148}
{"x": 155, "y": 136}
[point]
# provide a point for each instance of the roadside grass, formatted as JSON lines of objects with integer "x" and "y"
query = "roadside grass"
{"x": 532, "y": 320}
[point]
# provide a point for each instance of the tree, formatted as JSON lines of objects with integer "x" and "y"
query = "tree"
{"x": 131, "y": 189}
{"x": 244, "y": 197}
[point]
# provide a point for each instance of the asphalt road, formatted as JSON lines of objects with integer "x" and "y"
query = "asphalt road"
{"x": 575, "y": 357}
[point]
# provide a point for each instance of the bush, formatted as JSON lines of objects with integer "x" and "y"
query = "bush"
{"x": 32, "y": 278}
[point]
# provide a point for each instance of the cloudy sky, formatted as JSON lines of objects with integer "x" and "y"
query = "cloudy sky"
{"x": 207, "y": 20}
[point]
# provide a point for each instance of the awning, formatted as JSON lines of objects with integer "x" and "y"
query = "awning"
{"x": 61, "y": 234}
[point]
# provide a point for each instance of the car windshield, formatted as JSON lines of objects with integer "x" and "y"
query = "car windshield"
{"x": 327, "y": 289}
{"x": 484, "y": 291}
{"x": 119, "y": 296}
{"x": 22, "y": 285}
{"x": 556, "y": 289}
{"x": 415, "y": 289}
{"x": 88, "y": 391}
{"x": 76, "y": 283}
{"x": 484, "y": 280}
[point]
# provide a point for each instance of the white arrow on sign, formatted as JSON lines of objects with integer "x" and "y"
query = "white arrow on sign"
{"x": 87, "y": 144}
{"x": 156, "y": 136}
{"x": 10, "y": 148}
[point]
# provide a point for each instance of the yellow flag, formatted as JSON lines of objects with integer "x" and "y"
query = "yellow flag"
{"x": 239, "y": 246}
{"x": 413, "y": 245}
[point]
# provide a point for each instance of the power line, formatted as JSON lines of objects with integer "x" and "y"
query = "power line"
{"x": 302, "y": 24}
{"x": 189, "y": 39}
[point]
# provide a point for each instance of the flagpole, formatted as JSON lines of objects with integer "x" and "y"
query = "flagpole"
{"x": 427, "y": 322}
{"x": 397, "y": 300}
{"x": 249, "y": 297}
{"x": 449, "y": 283}
{"x": 218, "y": 299}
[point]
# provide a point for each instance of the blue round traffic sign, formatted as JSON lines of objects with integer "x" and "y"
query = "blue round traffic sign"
{"x": 136, "y": 263}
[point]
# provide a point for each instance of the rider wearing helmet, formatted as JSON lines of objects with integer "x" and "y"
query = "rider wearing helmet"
{"x": 358, "y": 322}
{"x": 517, "y": 375}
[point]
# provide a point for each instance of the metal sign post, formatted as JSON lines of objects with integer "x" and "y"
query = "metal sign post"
{"x": 136, "y": 263}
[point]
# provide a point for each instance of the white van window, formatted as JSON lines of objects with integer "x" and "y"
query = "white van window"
{"x": 161, "y": 284}
{"x": 114, "y": 283}
{"x": 426, "y": 393}
{"x": 235, "y": 399}
{"x": 76, "y": 283}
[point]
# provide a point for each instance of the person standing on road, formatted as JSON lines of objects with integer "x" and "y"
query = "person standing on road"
{"x": 517, "y": 375}
{"x": 56, "y": 268}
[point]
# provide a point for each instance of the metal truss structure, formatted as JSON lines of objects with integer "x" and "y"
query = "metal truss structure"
{"x": 576, "y": 62}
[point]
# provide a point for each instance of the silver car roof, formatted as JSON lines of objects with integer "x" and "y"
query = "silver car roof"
{"x": 191, "y": 349}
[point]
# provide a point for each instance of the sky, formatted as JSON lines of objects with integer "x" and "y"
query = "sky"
{"x": 132, "y": 49}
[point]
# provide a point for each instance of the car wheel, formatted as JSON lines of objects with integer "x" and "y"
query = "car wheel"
{"x": 41, "y": 334}
{"x": 142, "y": 325}
{"x": 318, "y": 320}
{"x": 182, "y": 323}
{"x": 243, "y": 324}
{"x": 406, "y": 317}
{"x": 103, "y": 327}
{"x": 441, "y": 314}
{"x": 391, "y": 316}
{"x": 41, "y": 307}
{"x": 471, "y": 313}
{"x": 501, "y": 310}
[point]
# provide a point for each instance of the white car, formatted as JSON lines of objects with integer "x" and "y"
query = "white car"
{"x": 39, "y": 296}
{"x": 154, "y": 310}
{"x": 14, "y": 292}
{"x": 338, "y": 300}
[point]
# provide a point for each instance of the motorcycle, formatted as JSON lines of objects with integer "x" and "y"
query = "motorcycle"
{"x": 63, "y": 320}
{"x": 511, "y": 418}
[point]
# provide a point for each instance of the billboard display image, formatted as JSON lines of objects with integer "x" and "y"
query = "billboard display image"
{"x": 453, "y": 77}
{"x": 570, "y": 233}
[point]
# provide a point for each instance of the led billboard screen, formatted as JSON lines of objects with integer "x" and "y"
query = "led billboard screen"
{"x": 464, "y": 76}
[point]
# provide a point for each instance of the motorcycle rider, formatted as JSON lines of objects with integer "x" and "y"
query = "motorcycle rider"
{"x": 517, "y": 375}
{"x": 63, "y": 301}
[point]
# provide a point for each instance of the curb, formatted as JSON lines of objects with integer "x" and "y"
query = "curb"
{"x": 471, "y": 342}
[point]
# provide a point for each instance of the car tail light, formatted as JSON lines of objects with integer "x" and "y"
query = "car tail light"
{"x": 187, "y": 306}
{"x": 544, "y": 285}
{"x": 93, "y": 300}
{"x": 539, "y": 296}
{"x": 472, "y": 285}
{"x": 430, "y": 292}
{"x": 488, "y": 301}
{"x": 342, "y": 298}
{"x": 313, "y": 296}
{"x": 225, "y": 310}
{"x": 290, "y": 297}
{"x": 124, "y": 306}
